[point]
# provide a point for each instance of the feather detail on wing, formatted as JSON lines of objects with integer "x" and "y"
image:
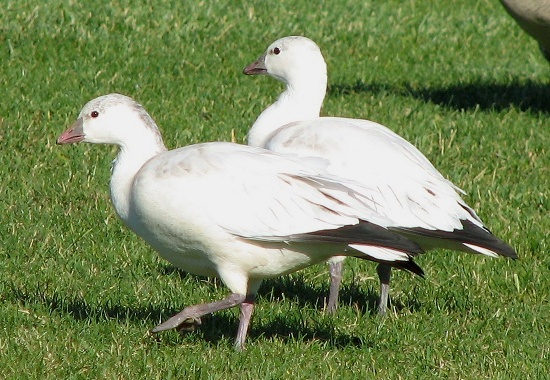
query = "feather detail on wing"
{"x": 392, "y": 176}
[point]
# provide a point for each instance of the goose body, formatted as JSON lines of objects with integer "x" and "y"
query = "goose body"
{"x": 399, "y": 180}
{"x": 236, "y": 212}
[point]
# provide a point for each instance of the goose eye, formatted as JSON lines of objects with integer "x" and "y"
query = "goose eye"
{"x": 94, "y": 114}
{"x": 276, "y": 51}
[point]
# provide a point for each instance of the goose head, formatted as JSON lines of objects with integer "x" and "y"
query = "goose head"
{"x": 113, "y": 119}
{"x": 291, "y": 59}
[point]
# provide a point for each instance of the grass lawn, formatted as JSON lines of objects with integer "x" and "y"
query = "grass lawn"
{"x": 78, "y": 291}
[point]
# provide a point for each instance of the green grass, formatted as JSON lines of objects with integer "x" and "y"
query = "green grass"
{"x": 78, "y": 291}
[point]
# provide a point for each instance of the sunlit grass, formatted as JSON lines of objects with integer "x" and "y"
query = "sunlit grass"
{"x": 78, "y": 291}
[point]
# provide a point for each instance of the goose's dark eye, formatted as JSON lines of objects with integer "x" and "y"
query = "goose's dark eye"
{"x": 276, "y": 51}
{"x": 94, "y": 114}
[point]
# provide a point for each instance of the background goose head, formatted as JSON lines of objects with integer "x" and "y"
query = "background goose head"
{"x": 291, "y": 59}
{"x": 298, "y": 63}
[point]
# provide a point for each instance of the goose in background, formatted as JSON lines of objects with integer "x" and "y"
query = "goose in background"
{"x": 405, "y": 187}
{"x": 533, "y": 16}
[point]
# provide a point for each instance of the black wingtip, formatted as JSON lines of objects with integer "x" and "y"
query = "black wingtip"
{"x": 365, "y": 233}
{"x": 476, "y": 235}
{"x": 470, "y": 234}
{"x": 410, "y": 266}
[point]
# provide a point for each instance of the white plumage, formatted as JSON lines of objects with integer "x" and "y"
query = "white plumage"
{"x": 400, "y": 182}
{"x": 236, "y": 212}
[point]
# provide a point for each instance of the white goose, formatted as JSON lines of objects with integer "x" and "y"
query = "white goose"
{"x": 399, "y": 179}
{"x": 533, "y": 16}
{"x": 236, "y": 212}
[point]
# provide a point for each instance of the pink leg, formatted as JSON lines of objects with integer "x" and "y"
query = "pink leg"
{"x": 189, "y": 317}
{"x": 247, "y": 307}
{"x": 384, "y": 274}
{"x": 335, "y": 270}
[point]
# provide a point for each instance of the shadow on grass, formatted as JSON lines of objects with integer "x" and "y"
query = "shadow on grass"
{"x": 223, "y": 325}
{"x": 526, "y": 96}
{"x": 307, "y": 295}
{"x": 323, "y": 330}
{"x": 79, "y": 308}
